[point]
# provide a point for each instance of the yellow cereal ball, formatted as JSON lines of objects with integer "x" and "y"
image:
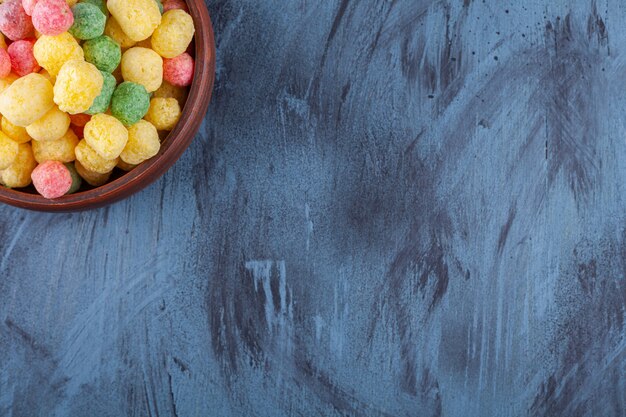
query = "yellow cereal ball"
{"x": 106, "y": 135}
{"x": 163, "y": 113}
{"x": 52, "y": 126}
{"x": 8, "y": 151}
{"x": 94, "y": 179}
{"x": 7, "y": 81}
{"x": 78, "y": 84}
{"x": 3, "y": 43}
{"x": 17, "y": 133}
{"x": 137, "y": 18}
{"x": 61, "y": 149}
{"x": 174, "y": 34}
{"x": 18, "y": 174}
{"x": 124, "y": 166}
{"x": 143, "y": 66}
{"x": 115, "y": 32}
{"x": 91, "y": 161}
{"x": 27, "y": 99}
{"x": 168, "y": 90}
{"x": 51, "y": 52}
{"x": 48, "y": 76}
{"x": 143, "y": 143}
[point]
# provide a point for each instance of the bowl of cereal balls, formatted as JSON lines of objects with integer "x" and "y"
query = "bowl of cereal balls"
{"x": 98, "y": 98}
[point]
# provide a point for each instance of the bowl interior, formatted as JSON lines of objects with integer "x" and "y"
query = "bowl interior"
{"x": 124, "y": 184}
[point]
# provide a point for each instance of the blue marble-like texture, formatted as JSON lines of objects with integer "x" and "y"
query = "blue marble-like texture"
{"x": 393, "y": 208}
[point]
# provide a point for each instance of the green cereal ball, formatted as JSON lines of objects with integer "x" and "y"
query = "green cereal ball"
{"x": 130, "y": 103}
{"x": 77, "y": 181}
{"x": 101, "y": 4}
{"x": 158, "y": 2}
{"x": 102, "y": 102}
{"x": 89, "y": 21}
{"x": 103, "y": 52}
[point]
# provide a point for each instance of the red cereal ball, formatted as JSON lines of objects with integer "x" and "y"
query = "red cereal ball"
{"x": 52, "y": 17}
{"x": 14, "y": 22}
{"x": 179, "y": 71}
{"x": 52, "y": 179}
{"x": 78, "y": 131}
{"x": 79, "y": 119}
{"x": 174, "y": 4}
{"x": 29, "y": 5}
{"x": 5, "y": 63}
{"x": 23, "y": 61}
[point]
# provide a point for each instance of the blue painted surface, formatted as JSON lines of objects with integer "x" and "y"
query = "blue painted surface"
{"x": 394, "y": 208}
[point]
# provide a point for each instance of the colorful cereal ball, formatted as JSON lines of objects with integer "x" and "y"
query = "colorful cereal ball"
{"x": 18, "y": 174}
{"x": 52, "y": 52}
{"x": 5, "y": 63}
{"x": 143, "y": 143}
{"x": 27, "y": 99}
{"x": 79, "y": 119}
{"x": 101, "y": 4}
{"x": 102, "y": 102}
{"x": 164, "y": 113}
{"x": 94, "y": 179}
{"x": 17, "y": 133}
{"x": 61, "y": 149}
{"x": 52, "y": 17}
{"x": 174, "y": 34}
{"x": 52, "y": 179}
{"x": 103, "y": 52}
{"x": 7, "y": 81}
{"x": 106, "y": 135}
{"x": 89, "y": 21}
{"x": 3, "y": 43}
{"x": 174, "y": 4}
{"x": 78, "y": 84}
{"x": 15, "y": 24}
{"x": 143, "y": 66}
{"x": 113, "y": 30}
{"x": 52, "y": 126}
{"x": 137, "y": 18}
{"x": 91, "y": 161}
{"x": 8, "y": 151}
{"x": 23, "y": 61}
{"x": 168, "y": 90}
{"x": 130, "y": 103}
{"x": 29, "y": 6}
{"x": 179, "y": 70}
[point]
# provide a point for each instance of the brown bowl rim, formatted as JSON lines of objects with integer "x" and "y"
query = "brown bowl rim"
{"x": 173, "y": 147}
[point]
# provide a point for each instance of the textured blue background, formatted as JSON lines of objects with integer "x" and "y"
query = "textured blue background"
{"x": 394, "y": 208}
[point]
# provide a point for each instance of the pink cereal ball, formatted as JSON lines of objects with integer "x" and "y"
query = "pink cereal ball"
{"x": 179, "y": 71}
{"x": 52, "y": 179}
{"x": 174, "y": 4}
{"x": 14, "y": 22}
{"x": 28, "y": 6}
{"x": 52, "y": 17}
{"x": 5, "y": 63}
{"x": 23, "y": 61}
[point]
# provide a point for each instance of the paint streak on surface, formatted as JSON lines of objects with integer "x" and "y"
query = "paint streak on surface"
{"x": 394, "y": 208}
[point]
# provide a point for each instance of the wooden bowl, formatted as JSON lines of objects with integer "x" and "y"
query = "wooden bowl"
{"x": 171, "y": 149}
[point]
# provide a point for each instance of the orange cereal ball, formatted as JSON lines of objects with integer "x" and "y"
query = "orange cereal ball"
{"x": 106, "y": 135}
{"x": 17, "y": 133}
{"x": 18, "y": 174}
{"x": 143, "y": 143}
{"x": 61, "y": 150}
{"x": 94, "y": 179}
{"x": 3, "y": 42}
{"x": 143, "y": 66}
{"x": 115, "y": 32}
{"x": 78, "y": 84}
{"x": 52, "y": 52}
{"x": 27, "y": 99}
{"x": 52, "y": 126}
{"x": 8, "y": 151}
{"x": 174, "y": 34}
{"x": 163, "y": 113}
{"x": 137, "y": 18}
{"x": 90, "y": 159}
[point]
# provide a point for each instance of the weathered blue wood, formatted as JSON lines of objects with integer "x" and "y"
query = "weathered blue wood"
{"x": 394, "y": 208}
